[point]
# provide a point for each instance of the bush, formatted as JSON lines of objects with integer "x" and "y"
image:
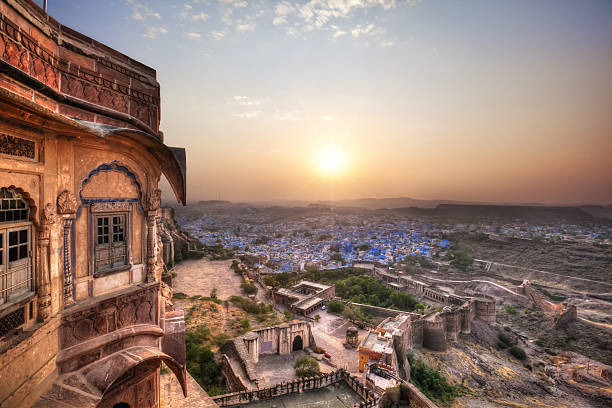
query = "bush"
{"x": 505, "y": 338}
{"x": 220, "y": 339}
{"x": 306, "y": 366}
{"x": 179, "y": 295}
{"x": 317, "y": 317}
{"x": 510, "y": 310}
{"x": 249, "y": 288}
{"x": 501, "y": 345}
{"x": 518, "y": 352}
{"x": 431, "y": 382}
{"x": 335, "y": 306}
{"x": 461, "y": 260}
{"x": 250, "y": 306}
{"x": 288, "y": 315}
{"x": 201, "y": 362}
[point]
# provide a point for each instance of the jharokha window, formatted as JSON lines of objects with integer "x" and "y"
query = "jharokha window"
{"x": 111, "y": 250}
{"x": 15, "y": 247}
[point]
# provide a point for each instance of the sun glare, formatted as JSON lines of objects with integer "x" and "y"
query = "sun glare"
{"x": 331, "y": 162}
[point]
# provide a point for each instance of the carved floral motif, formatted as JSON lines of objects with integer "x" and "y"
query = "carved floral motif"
{"x": 66, "y": 203}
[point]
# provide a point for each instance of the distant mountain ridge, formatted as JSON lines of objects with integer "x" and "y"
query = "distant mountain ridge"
{"x": 403, "y": 202}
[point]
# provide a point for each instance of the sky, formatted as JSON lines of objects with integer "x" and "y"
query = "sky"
{"x": 496, "y": 101}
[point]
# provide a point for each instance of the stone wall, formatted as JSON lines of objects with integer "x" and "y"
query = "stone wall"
{"x": 538, "y": 299}
{"x": 76, "y": 75}
{"x": 434, "y": 336}
{"x": 297, "y": 386}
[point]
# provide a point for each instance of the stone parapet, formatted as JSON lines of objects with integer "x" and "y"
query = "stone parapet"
{"x": 73, "y": 74}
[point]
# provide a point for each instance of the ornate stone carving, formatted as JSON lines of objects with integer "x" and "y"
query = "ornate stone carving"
{"x": 111, "y": 206}
{"x": 154, "y": 200}
{"x": 16, "y": 146}
{"x": 68, "y": 296}
{"x": 49, "y": 215}
{"x": 151, "y": 247}
{"x": 66, "y": 203}
{"x": 128, "y": 309}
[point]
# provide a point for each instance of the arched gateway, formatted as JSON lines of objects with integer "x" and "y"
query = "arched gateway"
{"x": 298, "y": 343}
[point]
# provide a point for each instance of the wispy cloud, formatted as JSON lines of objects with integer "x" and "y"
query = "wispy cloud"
{"x": 289, "y": 116}
{"x": 246, "y": 101}
{"x": 200, "y": 16}
{"x": 386, "y": 44}
{"x": 140, "y": 11}
{"x": 243, "y": 27}
{"x": 247, "y": 115}
{"x": 217, "y": 35}
{"x": 193, "y": 36}
{"x": 328, "y": 118}
{"x": 154, "y": 32}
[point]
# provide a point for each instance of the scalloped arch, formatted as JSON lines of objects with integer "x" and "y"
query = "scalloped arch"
{"x": 28, "y": 199}
{"x": 112, "y": 166}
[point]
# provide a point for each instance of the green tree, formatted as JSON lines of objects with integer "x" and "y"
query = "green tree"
{"x": 335, "y": 306}
{"x": 306, "y": 366}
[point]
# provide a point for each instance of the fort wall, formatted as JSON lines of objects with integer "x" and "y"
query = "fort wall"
{"x": 298, "y": 386}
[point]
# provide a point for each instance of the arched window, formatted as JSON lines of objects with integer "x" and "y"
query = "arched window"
{"x": 15, "y": 247}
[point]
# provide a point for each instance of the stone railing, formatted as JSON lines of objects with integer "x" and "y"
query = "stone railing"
{"x": 297, "y": 386}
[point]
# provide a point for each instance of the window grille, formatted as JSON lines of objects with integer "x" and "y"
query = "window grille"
{"x": 15, "y": 247}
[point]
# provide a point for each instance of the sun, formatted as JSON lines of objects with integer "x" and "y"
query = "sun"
{"x": 331, "y": 162}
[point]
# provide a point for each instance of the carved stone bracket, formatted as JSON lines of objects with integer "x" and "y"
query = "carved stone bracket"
{"x": 154, "y": 200}
{"x": 67, "y": 203}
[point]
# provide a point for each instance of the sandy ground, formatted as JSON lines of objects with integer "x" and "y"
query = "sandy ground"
{"x": 200, "y": 276}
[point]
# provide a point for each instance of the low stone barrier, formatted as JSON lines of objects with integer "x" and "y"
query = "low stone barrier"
{"x": 297, "y": 386}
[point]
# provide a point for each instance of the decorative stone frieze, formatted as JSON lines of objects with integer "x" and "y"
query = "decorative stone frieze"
{"x": 111, "y": 206}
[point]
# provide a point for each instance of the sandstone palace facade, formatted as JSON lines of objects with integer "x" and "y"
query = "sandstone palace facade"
{"x": 83, "y": 321}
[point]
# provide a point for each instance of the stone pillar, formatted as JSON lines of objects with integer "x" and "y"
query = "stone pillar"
{"x": 151, "y": 246}
{"x": 68, "y": 296}
{"x": 43, "y": 279}
{"x": 67, "y": 206}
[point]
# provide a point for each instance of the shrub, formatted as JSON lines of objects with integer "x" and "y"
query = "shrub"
{"x": 501, "y": 345}
{"x": 335, "y": 306}
{"x": 306, "y": 366}
{"x": 518, "y": 352}
{"x": 510, "y": 309}
{"x": 179, "y": 295}
{"x": 317, "y": 317}
{"x": 248, "y": 288}
{"x": 288, "y": 315}
{"x": 220, "y": 339}
{"x": 431, "y": 382}
{"x": 504, "y": 338}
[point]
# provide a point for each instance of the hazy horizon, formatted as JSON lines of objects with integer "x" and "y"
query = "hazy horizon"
{"x": 480, "y": 100}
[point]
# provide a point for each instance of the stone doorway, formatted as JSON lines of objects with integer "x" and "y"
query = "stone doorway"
{"x": 298, "y": 343}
